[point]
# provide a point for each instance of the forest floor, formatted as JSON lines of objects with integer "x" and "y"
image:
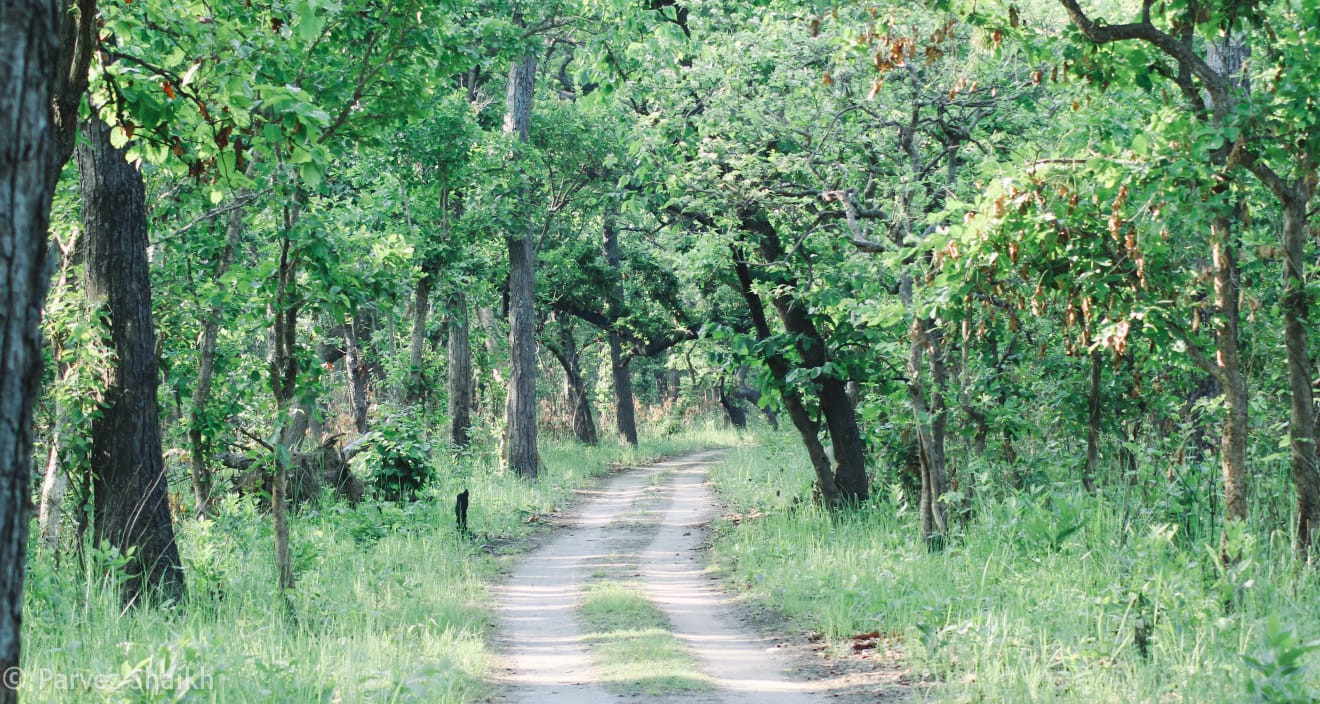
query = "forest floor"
{"x": 618, "y": 604}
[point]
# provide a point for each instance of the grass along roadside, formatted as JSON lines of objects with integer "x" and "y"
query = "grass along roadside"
{"x": 390, "y": 605}
{"x": 1047, "y": 595}
{"x": 632, "y": 643}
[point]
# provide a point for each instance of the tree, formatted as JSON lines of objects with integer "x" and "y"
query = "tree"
{"x": 520, "y": 449}
{"x": 41, "y": 66}
{"x": 129, "y": 489}
{"x": 1254, "y": 136}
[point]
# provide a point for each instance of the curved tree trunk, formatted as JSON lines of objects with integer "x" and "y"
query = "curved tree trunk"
{"x": 129, "y": 490}
{"x": 520, "y": 410}
{"x": 460, "y": 371}
{"x": 806, "y": 426}
{"x": 835, "y": 403}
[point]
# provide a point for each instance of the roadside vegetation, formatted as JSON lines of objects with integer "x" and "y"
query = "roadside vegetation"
{"x": 1044, "y": 594}
{"x": 393, "y": 603}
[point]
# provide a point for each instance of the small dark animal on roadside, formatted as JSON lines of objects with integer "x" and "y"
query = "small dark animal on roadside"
{"x": 460, "y": 511}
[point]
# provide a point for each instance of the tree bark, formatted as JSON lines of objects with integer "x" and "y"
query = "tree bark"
{"x": 416, "y": 391}
{"x": 130, "y": 493}
{"x": 44, "y": 50}
{"x": 1092, "y": 466}
{"x": 460, "y": 371}
{"x": 520, "y": 410}
{"x": 625, "y": 420}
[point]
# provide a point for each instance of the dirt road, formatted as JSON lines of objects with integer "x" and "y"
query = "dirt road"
{"x": 647, "y": 525}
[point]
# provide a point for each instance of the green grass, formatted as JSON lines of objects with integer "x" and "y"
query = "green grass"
{"x": 631, "y": 643}
{"x": 1045, "y": 596}
{"x": 391, "y": 604}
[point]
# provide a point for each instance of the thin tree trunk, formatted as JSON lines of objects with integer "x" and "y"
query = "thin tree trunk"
{"x": 130, "y": 493}
{"x": 625, "y": 420}
{"x": 1092, "y": 466}
{"x": 930, "y": 424}
{"x": 290, "y": 416}
{"x": 520, "y": 409}
{"x": 460, "y": 371}
{"x": 1233, "y": 450}
{"x": 53, "y": 489}
{"x": 416, "y": 391}
{"x": 575, "y": 392}
{"x": 198, "y": 438}
{"x": 1301, "y": 417}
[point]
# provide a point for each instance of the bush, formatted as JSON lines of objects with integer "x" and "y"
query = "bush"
{"x": 399, "y": 461}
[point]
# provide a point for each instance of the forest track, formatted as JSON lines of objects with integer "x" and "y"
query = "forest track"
{"x": 649, "y": 525}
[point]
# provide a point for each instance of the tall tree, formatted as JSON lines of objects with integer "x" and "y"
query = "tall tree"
{"x": 43, "y": 69}
{"x": 129, "y": 489}
{"x": 521, "y": 454}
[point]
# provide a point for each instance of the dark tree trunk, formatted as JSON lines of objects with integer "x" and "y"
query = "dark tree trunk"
{"x": 520, "y": 422}
{"x": 625, "y": 420}
{"x": 575, "y": 391}
{"x": 1092, "y": 466}
{"x": 44, "y": 50}
{"x": 1301, "y": 417}
{"x": 732, "y": 406}
{"x": 806, "y": 426}
{"x": 417, "y": 391}
{"x": 460, "y": 371}
{"x": 835, "y": 404}
{"x": 198, "y": 437}
{"x": 355, "y": 370}
{"x": 129, "y": 490}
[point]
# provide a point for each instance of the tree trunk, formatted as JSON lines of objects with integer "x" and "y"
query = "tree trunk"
{"x": 625, "y": 420}
{"x": 931, "y": 420}
{"x": 130, "y": 494}
{"x": 460, "y": 371}
{"x": 575, "y": 391}
{"x": 835, "y": 404}
{"x": 291, "y": 418}
{"x": 198, "y": 437}
{"x": 1301, "y": 418}
{"x": 520, "y": 409}
{"x": 36, "y": 46}
{"x": 1233, "y": 450}
{"x": 355, "y": 370}
{"x": 806, "y": 426}
{"x": 732, "y": 406}
{"x": 53, "y": 489}
{"x": 416, "y": 391}
{"x": 1092, "y": 466}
